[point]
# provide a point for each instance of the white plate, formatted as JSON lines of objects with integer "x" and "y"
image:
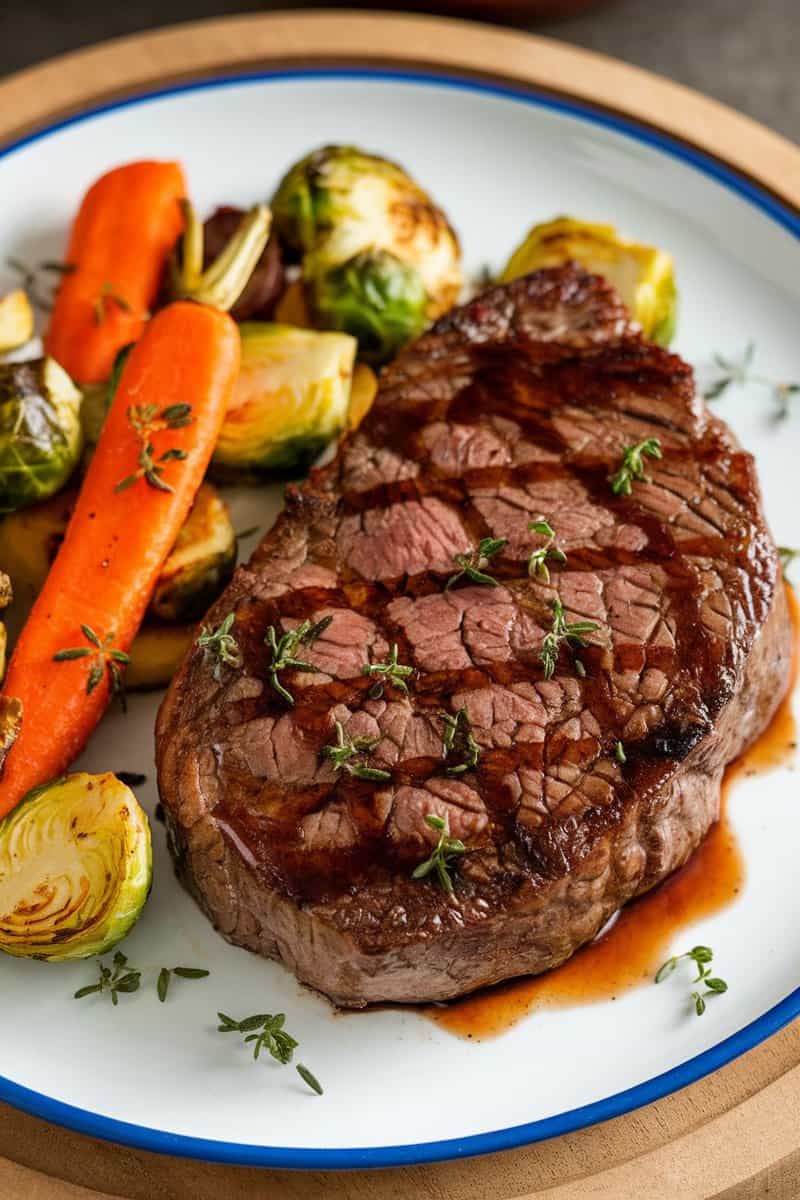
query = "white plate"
{"x": 397, "y": 1088}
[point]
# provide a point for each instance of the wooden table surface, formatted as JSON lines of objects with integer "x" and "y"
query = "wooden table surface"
{"x": 735, "y": 1134}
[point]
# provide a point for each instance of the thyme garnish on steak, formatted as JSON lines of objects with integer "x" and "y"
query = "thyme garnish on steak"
{"x": 266, "y": 1032}
{"x": 631, "y": 469}
{"x": 537, "y": 563}
{"x": 472, "y": 562}
{"x": 458, "y": 740}
{"x": 619, "y": 753}
{"x": 701, "y": 956}
{"x": 220, "y": 645}
{"x": 391, "y": 671}
{"x": 440, "y": 863}
{"x": 571, "y": 633}
{"x": 737, "y": 371}
{"x": 105, "y": 657}
{"x": 284, "y": 652}
{"x": 346, "y": 749}
{"x": 145, "y": 420}
{"x": 121, "y": 979}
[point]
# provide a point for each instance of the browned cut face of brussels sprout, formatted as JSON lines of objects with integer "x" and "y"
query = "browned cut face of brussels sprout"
{"x": 380, "y": 259}
{"x": 10, "y": 724}
{"x": 75, "y": 869}
{"x": 40, "y": 431}
{"x": 200, "y": 563}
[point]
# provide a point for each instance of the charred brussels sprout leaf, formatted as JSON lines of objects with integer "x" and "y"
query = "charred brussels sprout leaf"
{"x": 340, "y": 206}
{"x": 377, "y": 298}
{"x": 644, "y": 276}
{"x": 291, "y": 398}
{"x": 75, "y": 869}
{"x": 40, "y": 431}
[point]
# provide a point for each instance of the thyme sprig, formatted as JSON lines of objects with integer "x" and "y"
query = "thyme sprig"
{"x": 105, "y": 657}
{"x": 631, "y": 469}
{"x": 537, "y": 563}
{"x": 702, "y": 957}
{"x": 118, "y": 978}
{"x": 146, "y": 420}
{"x": 108, "y": 295}
{"x": 391, "y": 671}
{"x": 458, "y": 739}
{"x": 166, "y": 973}
{"x": 471, "y": 562}
{"x": 221, "y": 646}
{"x": 345, "y": 749}
{"x": 263, "y": 1031}
{"x": 732, "y": 371}
{"x": 787, "y": 557}
{"x": 284, "y": 652}
{"x": 441, "y": 861}
{"x": 572, "y": 633}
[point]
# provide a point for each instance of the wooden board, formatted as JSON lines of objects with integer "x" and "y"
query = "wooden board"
{"x": 734, "y": 1135}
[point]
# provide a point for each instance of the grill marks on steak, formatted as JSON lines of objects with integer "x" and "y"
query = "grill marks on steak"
{"x": 517, "y": 406}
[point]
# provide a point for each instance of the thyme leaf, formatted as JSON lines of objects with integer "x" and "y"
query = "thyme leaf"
{"x": 104, "y": 657}
{"x": 108, "y": 295}
{"x": 440, "y": 863}
{"x": 220, "y": 646}
{"x": 737, "y": 372}
{"x": 537, "y": 563}
{"x": 631, "y": 469}
{"x": 146, "y": 421}
{"x": 346, "y": 749}
{"x": 619, "y": 753}
{"x": 166, "y": 973}
{"x": 471, "y": 562}
{"x": 391, "y": 671}
{"x": 266, "y": 1032}
{"x": 284, "y": 652}
{"x": 572, "y": 633}
{"x": 114, "y": 980}
{"x": 701, "y": 957}
{"x": 458, "y": 739}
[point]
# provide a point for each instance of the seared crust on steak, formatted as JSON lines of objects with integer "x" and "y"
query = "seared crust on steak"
{"x": 516, "y": 406}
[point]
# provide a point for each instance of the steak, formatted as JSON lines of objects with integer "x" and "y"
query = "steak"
{"x": 572, "y": 794}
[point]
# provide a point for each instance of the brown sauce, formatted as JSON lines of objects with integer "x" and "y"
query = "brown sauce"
{"x": 633, "y": 948}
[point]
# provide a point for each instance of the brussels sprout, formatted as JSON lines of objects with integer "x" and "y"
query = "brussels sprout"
{"x": 40, "y": 431}
{"x": 10, "y": 725}
{"x": 200, "y": 563}
{"x": 75, "y": 868}
{"x": 198, "y": 567}
{"x": 345, "y": 212}
{"x": 643, "y": 275}
{"x": 290, "y": 400}
{"x": 16, "y": 320}
{"x": 97, "y": 399}
{"x": 156, "y": 655}
{"x": 374, "y": 296}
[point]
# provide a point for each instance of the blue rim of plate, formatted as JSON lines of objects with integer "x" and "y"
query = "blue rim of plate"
{"x": 240, "y": 1154}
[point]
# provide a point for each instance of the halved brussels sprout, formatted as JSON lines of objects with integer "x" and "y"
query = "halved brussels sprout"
{"x": 345, "y": 212}
{"x": 644, "y": 276}
{"x": 200, "y": 563}
{"x": 97, "y": 399}
{"x": 75, "y": 869}
{"x": 197, "y": 569}
{"x": 10, "y": 725}
{"x": 290, "y": 400}
{"x": 156, "y": 655}
{"x": 40, "y": 431}
{"x": 16, "y": 320}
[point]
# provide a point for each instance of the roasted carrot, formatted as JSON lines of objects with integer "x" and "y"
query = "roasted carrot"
{"x": 127, "y": 224}
{"x": 149, "y": 462}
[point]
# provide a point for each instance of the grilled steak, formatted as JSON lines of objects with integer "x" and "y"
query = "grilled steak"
{"x": 517, "y": 406}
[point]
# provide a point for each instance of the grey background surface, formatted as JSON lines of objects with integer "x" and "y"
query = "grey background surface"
{"x": 744, "y": 52}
